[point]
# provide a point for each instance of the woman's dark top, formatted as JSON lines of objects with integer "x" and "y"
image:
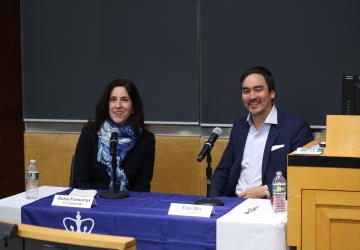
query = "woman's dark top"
{"x": 138, "y": 163}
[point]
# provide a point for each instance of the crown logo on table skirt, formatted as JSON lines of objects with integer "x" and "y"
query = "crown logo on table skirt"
{"x": 69, "y": 224}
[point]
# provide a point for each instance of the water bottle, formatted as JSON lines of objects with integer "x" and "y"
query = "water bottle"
{"x": 279, "y": 192}
{"x": 32, "y": 180}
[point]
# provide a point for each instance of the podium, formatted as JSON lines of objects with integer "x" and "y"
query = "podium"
{"x": 324, "y": 191}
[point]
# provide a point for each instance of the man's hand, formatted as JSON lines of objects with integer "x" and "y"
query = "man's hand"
{"x": 254, "y": 192}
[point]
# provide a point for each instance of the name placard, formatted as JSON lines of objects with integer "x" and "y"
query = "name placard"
{"x": 73, "y": 201}
{"x": 191, "y": 210}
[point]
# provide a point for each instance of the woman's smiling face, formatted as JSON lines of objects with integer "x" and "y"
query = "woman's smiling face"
{"x": 120, "y": 105}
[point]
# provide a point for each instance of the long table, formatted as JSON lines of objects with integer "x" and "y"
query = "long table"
{"x": 144, "y": 216}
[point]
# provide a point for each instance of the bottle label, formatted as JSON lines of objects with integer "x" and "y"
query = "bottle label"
{"x": 279, "y": 188}
{"x": 32, "y": 176}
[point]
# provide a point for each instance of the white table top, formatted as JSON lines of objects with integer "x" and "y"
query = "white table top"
{"x": 261, "y": 229}
{"x": 10, "y": 207}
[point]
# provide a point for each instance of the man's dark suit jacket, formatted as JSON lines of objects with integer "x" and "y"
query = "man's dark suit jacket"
{"x": 138, "y": 163}
{"x": 290, "y": 132}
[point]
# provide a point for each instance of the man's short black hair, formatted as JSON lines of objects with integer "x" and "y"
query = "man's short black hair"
{"x": 269, "y": 79}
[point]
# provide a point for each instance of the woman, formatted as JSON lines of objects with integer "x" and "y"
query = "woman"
{"x": 120, "y": 106}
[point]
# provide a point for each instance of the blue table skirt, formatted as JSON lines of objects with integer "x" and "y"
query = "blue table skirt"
{"x": 142, "y": 216}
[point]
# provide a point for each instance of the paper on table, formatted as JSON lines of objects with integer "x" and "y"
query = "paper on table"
{"x": 83, "y": 193}
{"x": 308, "y": 151}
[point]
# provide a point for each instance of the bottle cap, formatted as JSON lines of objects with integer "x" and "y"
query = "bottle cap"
{"x": 32, "y": 161}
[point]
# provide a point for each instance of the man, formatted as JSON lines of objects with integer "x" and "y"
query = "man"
{"x": 259, "y": 143}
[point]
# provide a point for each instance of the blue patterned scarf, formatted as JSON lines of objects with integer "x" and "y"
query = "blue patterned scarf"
{"x": 126, "y": 141}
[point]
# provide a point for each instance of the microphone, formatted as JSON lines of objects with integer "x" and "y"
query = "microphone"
{"x": 209, "y": 144}
{"x": 113, "y": 145}
{"x": 114, "y": 140}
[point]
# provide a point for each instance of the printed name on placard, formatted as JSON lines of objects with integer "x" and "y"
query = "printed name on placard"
{"x": 191, "y": 210}
{"x": 73, "y": 201}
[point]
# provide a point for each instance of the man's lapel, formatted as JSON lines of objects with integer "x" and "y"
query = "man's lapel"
{"x": 239, "y": 147}
{"x": 273, "y": 135}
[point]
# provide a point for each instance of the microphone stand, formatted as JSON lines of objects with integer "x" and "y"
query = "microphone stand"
{"x": 209, "y": 201}
{"x": 114, "y": 194}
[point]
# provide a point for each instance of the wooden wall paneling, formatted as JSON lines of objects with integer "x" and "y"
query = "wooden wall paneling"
{"x": 176, "y": 168}
{"x": 342, "y": 136}
{"x": 322, "y": 228}
{"x": 294, "y": 207}
{"x": 216, "y": 154}
{"x": 53, "y": 154}
{"x": 330, "y": 203}
{"x": 308, "y": 216}
{"x": 337, "y": 220}
{"x": 302, "y": 179}
{"x": 344, "y": 234}
{"x": 329, "y": 214}
{"x": 343, "y": 213}
{"x": 337, "y": 227}
{"x": 326, "y": 178}
{"x": 294, "y": 196}
{"x": 338, "y": 198}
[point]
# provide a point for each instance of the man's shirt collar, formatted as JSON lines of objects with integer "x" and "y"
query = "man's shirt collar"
{"x": 270, "y": 119}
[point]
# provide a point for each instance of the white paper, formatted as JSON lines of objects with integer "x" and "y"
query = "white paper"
{"x": 83, "y": 193}
{"x": 191, "y": 210}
